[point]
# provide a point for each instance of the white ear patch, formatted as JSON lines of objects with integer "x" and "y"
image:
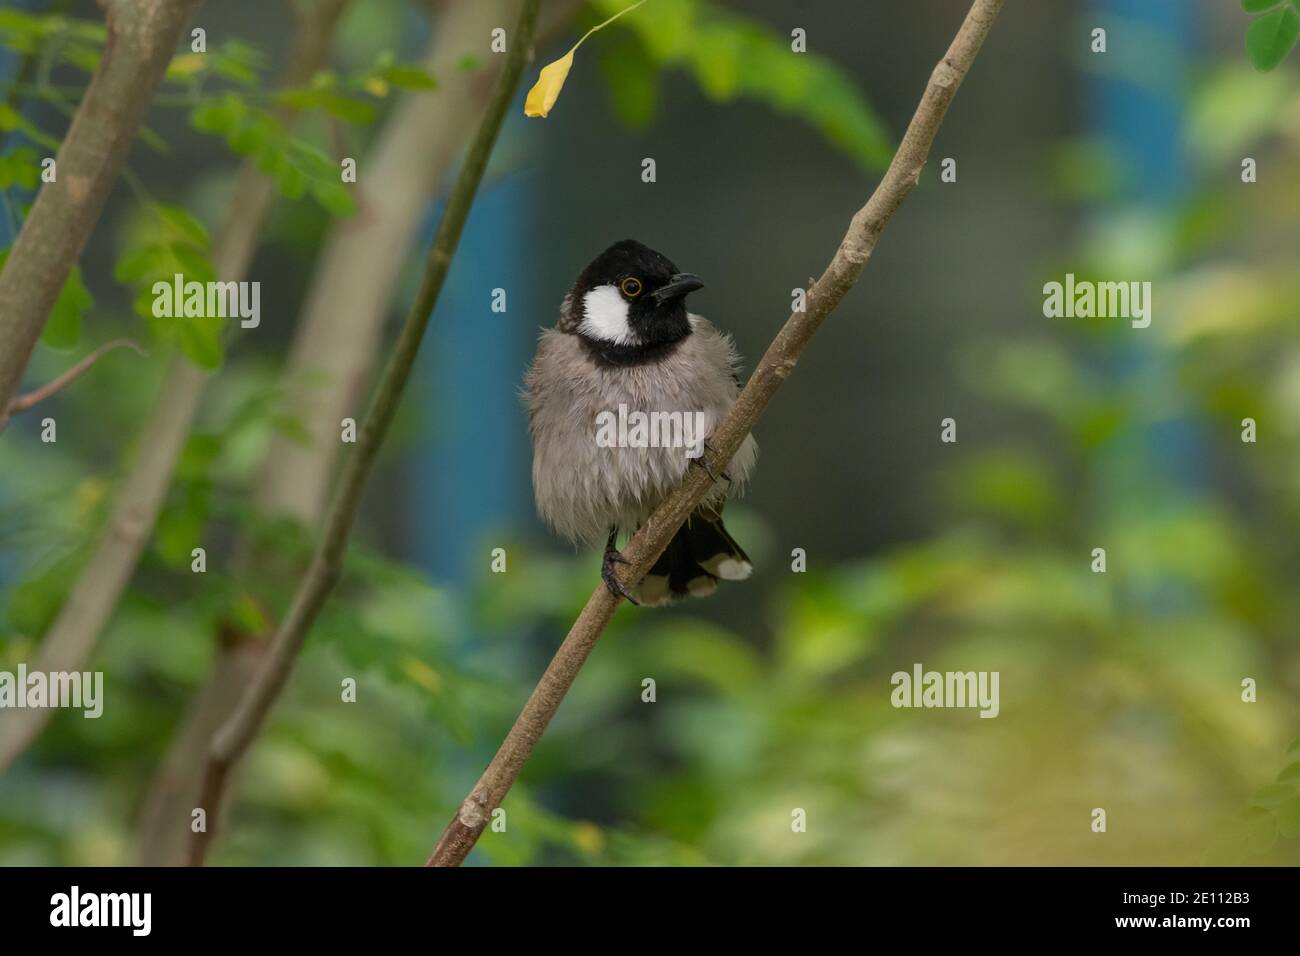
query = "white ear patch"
{"x": 604, "y": 316}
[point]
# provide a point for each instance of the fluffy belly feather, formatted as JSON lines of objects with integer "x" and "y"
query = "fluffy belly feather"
{"x": 582, "y": 485}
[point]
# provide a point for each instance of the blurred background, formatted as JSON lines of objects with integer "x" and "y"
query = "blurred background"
{"x": 1119, "y": 690}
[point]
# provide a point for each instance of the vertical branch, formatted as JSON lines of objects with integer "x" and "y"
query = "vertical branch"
{"x": 649, "y": 542}
{"x": 142, "y": 37}
{"x": 340, "y": 332}
{"x": 234, "y": 738}
{"x": 336, "y": 338}
{"x": 139, "y": 498}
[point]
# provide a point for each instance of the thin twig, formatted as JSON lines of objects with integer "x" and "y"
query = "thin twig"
{"x": 649, "y": 542}
{"x": 24, "y": 402}
{"x": 234, "y": 738}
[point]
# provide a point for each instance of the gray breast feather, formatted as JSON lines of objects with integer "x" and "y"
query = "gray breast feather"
{"x": 582, "y": 488}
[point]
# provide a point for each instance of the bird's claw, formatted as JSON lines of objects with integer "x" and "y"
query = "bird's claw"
{"x": 703, "y": 462}
{"x": 609, "y": 574}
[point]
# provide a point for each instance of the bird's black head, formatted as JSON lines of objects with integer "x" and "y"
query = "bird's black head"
{"x": 630, "y": 303}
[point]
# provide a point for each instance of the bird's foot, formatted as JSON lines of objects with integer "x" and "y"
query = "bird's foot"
{"x": 609, "y": 575}
{"x": 609, "y": 572}
{"x": 703, "y": 462}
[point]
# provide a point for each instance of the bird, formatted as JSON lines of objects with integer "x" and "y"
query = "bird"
{"x": 625, "y": 344}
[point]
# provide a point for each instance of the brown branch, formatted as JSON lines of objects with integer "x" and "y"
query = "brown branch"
{"x": 336, "y": 339}
{"x": 68, "y": 643}
{"x": 142, "y": 37}
{"x": 778, "y": 362}
{"x": 234, "y": 738}
{"x": 164, "y": 826}
{"x": 26, "y": 401}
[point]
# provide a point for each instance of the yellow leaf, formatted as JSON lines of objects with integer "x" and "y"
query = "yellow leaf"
{"x": 547, "y": 89}
{"x": 377, "y": 86}
{"x": 551, "y": 80}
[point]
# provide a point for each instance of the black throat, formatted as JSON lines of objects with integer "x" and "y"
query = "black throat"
{"x": 611, "y": 353}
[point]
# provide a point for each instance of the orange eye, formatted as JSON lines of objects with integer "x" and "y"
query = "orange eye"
{"x": 631, "y": 287}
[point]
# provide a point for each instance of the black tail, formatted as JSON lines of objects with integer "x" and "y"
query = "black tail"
{"x": 700, "y": 553}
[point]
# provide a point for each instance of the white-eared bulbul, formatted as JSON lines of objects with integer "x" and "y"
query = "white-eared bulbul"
{"x": 625, "y": 344}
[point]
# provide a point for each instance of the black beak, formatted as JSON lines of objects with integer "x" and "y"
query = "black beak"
{"x": 677, "y": 287}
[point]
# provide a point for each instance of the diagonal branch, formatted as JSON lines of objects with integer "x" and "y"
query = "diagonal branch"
{"x": 25, "y": 401}
{"x": 778, "y": 362}
{"x": 142, "y": 37}
{"x": 333, "y": 356}
{"x": 237, "y": 734}
{"x": 337, "y": 334}
{"x": 338, "y": 337}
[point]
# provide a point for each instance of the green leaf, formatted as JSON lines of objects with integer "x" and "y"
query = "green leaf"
{"x": 163, "y": 242}
{"x": 632, "y": 82}
{"x": 409, "y": 77}
{"x": 1270, "y": 38}
{"x": 1272, "y": 795}
{"x": 1288, "y": 818}
{"x": 11, "y": 119}
{"x": 1258, "y": 6}
{"x": 238, "y": 62}
{"x": 20, "y": 168}
{"x": 176, "y": 535}
{"x": 63, "y": 330}
{"x": 299, "y": 167}
{"x": 1290, "y": 775}
{"x": 291, "y": 181}
{"x": 347, "y": 108}
{"x": 246, "y": 615}
{"x": 305, "y": 98}
{"x": 32, "y": 605}
{"x": 183, "y": 226}
{"x": 1261, "y": 830}
{"x": 249, "y": 137}
{"x": 734, "y": 57}
{"x": 154, "y": 141}
{"x": 198, "y": 456}
{"x": 199, "y": 340}
{"x": 219, "y": 115}
{"x": 335, "y": 197}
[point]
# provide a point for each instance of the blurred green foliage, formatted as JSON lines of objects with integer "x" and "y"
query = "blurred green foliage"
{"x": 734, "y": 57}
{"x": 1119, "y": 690}
{"x": 228, "y": 92}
